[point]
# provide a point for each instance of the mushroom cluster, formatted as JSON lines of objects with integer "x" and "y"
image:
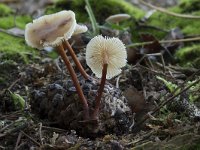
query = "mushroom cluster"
{"x": 105, "y": 56}
{"x": 55, "y": 30}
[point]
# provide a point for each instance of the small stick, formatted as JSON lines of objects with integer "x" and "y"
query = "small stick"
{"x": 62, "y": 53}
{"x": 1, "y": 147}
{"x": 163, "y": 42}
{"x": 4, "y": 128}
{"x": 181, "y": 85}
{"x": 75, "y": 59}
{"x": 11, "y": 86}
{"x": 100, "y": 91}
{"x": 40, "y": 133}
{"x": 162, "y": 59}
{"x": 33, "y": 140}
{"x": 165, "y": 102}
{"x": 53, "y": 129}
{"x": 18, "y": 140}
{"x": 117, "y": 82}
{"x": 168, "y": 12}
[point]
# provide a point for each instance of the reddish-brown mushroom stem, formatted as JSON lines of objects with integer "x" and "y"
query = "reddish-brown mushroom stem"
{"x": 75, "y": 59}
{"x": 62, "y": 53}
{"x": 100, "y": 92}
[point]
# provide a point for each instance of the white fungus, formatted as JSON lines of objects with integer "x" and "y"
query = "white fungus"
{"x": 102, "y": 50}
{"x": 50, "y": 30}
{"x": 117, "y": 18}
{"x": 80, "y": 29}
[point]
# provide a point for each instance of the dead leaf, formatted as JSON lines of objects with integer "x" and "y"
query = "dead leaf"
{"x": 154, "y": 47}
{"x": 135, "y": 99}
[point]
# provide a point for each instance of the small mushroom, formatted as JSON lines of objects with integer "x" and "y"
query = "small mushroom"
{"x": 117, "y": 18}
{"x": 52, "y": 30}
{"x": 105, "y": 57}
{"x": 80, "y": 29}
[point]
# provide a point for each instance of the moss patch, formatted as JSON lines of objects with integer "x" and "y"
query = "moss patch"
{"x": 189, "y": 6}
{"x": 188, "y": 26}
{"x": 189, "y": 56}
{"x": 13, "y": 48}
{"x": 102, "y": 9}
{"x": 5, "y": 10}
{"x": 10, "y": 21}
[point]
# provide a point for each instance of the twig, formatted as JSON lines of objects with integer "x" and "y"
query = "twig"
{"x": 18, "y": 140}
{"x": 181, "y": 85}
{"x": 153, "y": 54}
{"x": 11, "y": 86}
{"x": 4, "y": 128}
{"x": 1, "y": 147}
{"x": 169, "y": 12}
{"x": 164, "y": 41}
{"x": 33, "y": 140}
{"x": 165, "y": 102}
{"x": 170, "y": 99}
{"x": 40, "y": 133}
{"x": 18, "y": 128}
{"x": 117, "y": 82}
{"x": 54, "y": 129}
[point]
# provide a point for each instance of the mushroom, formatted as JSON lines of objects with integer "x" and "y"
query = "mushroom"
{"x": 80, "y": 29}
{"x": 117, "y": 18}
{"x": 105, "y": 57}
{"x": 52, "y": 30}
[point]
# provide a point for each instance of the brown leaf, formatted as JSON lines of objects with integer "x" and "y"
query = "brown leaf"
{"x": 135, "y": 99}
{"x": 154, "y": 47}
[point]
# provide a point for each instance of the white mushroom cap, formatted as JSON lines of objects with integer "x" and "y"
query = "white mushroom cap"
{"x": 50, "y": 30}
{"x": 117, "y": 18}
{"x": 102, "y": 50}
{"x": 80, "y": 29}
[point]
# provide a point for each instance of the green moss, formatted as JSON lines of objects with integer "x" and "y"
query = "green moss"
{"x": 102, "y": 9}
{"x": 189, "y": 6}
{"x": 7, "y": 67}
{"x": 5, "y": 10}
{"x": 13, "y": 48}
{"x": 189, "y": 56}
{"x": 10, "y": 21}
{"x": 188, "y": 26}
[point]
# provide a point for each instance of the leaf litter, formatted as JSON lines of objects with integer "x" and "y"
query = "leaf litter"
{"x": 165, "y": 128}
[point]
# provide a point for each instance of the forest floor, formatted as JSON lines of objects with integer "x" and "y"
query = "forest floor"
{"x": 161, "y": 83}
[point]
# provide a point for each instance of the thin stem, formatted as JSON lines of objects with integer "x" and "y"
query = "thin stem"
{"x": 92, "y": 18}
{"x": 163, "y": 42}
{"x": 100, "y": 92}
{"x": 168, "y": 12}
{"x": 75, "y": 59}
{"x": 62, "y": 53}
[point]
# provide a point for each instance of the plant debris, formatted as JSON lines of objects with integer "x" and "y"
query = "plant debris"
{"x": 154, "y": 103}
